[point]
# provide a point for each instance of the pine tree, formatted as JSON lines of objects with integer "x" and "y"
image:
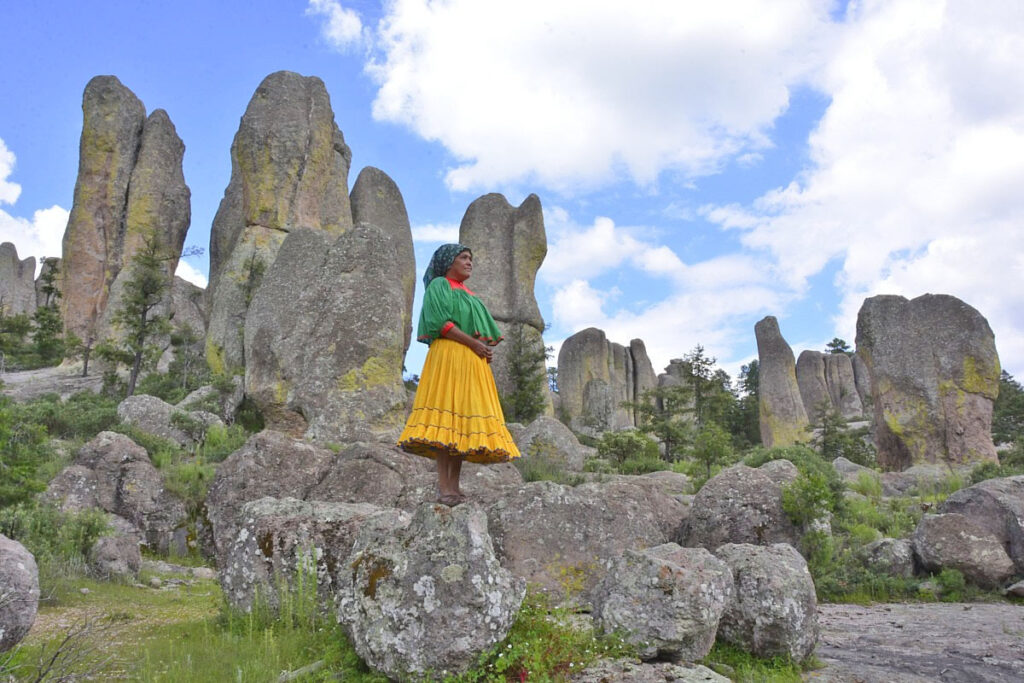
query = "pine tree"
{"x": 138, "y": 317}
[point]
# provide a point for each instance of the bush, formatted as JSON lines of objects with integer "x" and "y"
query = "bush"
{"x": 625, "y": 445}
{"x": 807, "y": 499}
{"x": 643, "y": 465}
{"x": 808, "y": 463}
{"x": 1011, "y": 463}
{"x": 543, "y": 462}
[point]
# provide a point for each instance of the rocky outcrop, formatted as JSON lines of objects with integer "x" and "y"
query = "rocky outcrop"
{"x": 743, "y": 505}
{"x": 782, "y": 415}
{"x": 115, "y": 557}
{"x": 130, "y": 184}
{"x": 889, "y": 556}
{"x": 17, "y": 281}
{"x": 289, "y": 169}
{"x": 998, "y": 506}
{"x": 634, "y": 671}
{"x": 955, "y": 541}
{"x": 222, "y": 403}
{"x": 596, "y": 376}
{"x": 269, "y": 464}
{"x": 667, "y": 600}
{"x": 842, "y": 385}
{"x": 376, "y": 200}
{"x": 19, "y": 592}
{"x": 289, "y": 544}
{"x": 775, "y": 610}
{"x": 509, "y": 245}
{"x": 551, "y": 440}
{"x": 862, "y": 381}
{"x": 325, "y": 342}
{"x": 51, "y": 266}
{"x": 154, "y": 416}
{"x": 544, "y": 531}
{"x": 113, "y": 473}
{"x": 810, "y": 379}
{"x": 934, "y": 375}
{"x": 437, "y": 581}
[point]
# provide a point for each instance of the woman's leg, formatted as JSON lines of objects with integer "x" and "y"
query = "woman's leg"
{"x": 444, "y": 480}
{"x": 454, "y": 472}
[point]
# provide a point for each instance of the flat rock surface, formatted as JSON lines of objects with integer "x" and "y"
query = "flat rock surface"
{"x": 30, "y": 384}
{"x": 920, "y": 642}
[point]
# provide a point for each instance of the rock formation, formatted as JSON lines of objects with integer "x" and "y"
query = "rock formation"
{"x": 509, "y": 246}
{"x": 666, "y": 599}
{"x": 775, "y": 609}
{"x": 596, "y": 376}
{"x": 129, "y": 183}
{"x": 782, "y": 414}
{"x": 827, "y": 380}
{"x": 17, "y": 281}
{"x": 428, "y": 598}
{"x": 325, "y": 340}
{"x": 934, "y": 375}
{"x": 289, "y": 169}
{"x": 955, "y": 541}
{"x": 51, "y": 264}
{"x": 998, "y": 506}
{"x": 19, "y": 592}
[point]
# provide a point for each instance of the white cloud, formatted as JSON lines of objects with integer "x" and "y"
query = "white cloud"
{"x": 39, "y": 237}
{"x": 8, "y": 191}
{"x": 431, "y": 233}
{"x": 917, "y": 166}
{"x": 342, "y": 27}
{"x": 186, "y": 271}
{"x": 576, "y": 93}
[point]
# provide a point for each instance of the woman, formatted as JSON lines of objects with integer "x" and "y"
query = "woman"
{"x": 456, "y": 415}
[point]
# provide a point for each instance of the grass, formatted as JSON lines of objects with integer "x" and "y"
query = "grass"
{"x": 744, "y": 667}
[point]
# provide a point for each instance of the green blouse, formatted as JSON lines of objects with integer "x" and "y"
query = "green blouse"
{"x": 447, "y": 301}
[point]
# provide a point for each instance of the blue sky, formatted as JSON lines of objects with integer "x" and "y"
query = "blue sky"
{"x": 701, "y": 165}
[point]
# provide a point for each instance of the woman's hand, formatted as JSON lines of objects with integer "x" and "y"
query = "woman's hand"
{"x": 475, "y": 345}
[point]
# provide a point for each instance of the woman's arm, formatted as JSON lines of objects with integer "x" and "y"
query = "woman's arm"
{"x": 478, "y": 347}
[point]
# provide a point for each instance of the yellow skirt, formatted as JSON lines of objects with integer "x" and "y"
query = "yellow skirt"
{"x": 456, "y": 410}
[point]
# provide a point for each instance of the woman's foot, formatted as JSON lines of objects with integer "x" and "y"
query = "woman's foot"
{"x": 451, "y": 499}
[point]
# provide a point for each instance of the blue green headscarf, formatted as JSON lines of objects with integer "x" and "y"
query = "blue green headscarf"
{"x": 442, "y": 260}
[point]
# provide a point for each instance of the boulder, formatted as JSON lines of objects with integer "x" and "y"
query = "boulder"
{"x": 934, "y": 374}
{"x": 775, "y": 610}
{"x": 548, "y": 438}
{"x": 115, "y": 557}
{"x": 268, "y": 464}
{"x": 920, "y": 479}
{"x": 389, "y": 477}
{"x": 862, "y": 381}
{"x": 154, "y": 416}
{"x": 290, "y": 544}
{"x": 891, "y": 556}
{"x": 438, "y": 581}
{"x": 996, "y": 505}
{"x": 209, "y": 398}
{"x": 782, "y": 415}
{"x": 810, "y": 379}
{"x": 842, "y": 387}
{"x": 742, "y": 504}
{"x": 325, "y": 338}
{"x": 19, "y": 592}
{"x": 596, "y": 376}
{"x": 17, "y": 282}
{"x": 634, "y": 671}
{"x": 667, "y": 600}
{"x": 73, "y": 489}
{"x": 289, "y": 169}
{"x": 565, "y": 538}
{"x": 955, "y": 541}
{"x": 376, "y": 200}
{"x": 850, "y": 471}
{"x": 142, "y": 499}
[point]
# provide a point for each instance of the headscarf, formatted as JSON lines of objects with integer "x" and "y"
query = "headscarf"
{"x": 442, "y": 260}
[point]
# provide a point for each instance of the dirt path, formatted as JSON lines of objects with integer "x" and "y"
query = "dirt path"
{"x": 921, "y": 642}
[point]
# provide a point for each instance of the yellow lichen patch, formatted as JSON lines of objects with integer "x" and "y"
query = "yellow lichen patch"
{"x": 375, "y": 372}
{"x": 979, "y": 379}
{"x": 215, "y": 357}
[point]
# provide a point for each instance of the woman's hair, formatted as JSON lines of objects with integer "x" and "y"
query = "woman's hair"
{"x": 442, "y": 260}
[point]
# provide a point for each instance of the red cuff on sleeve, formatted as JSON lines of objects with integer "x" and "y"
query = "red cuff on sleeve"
{"x": 447, "y": 326}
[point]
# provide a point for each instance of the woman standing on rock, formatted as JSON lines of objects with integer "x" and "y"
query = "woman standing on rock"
{"x": 456, "y": 415}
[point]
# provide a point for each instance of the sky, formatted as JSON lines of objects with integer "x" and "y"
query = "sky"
{"x": 701, "y": 165}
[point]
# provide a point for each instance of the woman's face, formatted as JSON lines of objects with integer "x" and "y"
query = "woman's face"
{"x": 461, "y": 268}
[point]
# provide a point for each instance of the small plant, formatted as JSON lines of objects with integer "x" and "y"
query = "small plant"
{"x": 743, "y": 666}
{"x": 625, "y": 445}
{"x": 868, "y": 485}
{"x": 544, "y": 462}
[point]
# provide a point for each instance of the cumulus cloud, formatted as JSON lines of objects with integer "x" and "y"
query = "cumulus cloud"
{"x": 186, "y": 271}
{"x": 39, "y": 236}
{"x": 439, "y": 233}
{"x": 342, "y": 27}
{"x": 917, "y": 166}
{"x": 8, "y": 191}
{"x": 708, "y": 302}
{"x": 577, "y": 93}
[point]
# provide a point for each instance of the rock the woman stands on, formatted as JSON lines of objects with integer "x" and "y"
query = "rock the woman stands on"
{"x": 456, "y": 415}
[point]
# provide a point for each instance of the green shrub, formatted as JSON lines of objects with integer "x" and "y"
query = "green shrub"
{"x": 643, "y": 465}
{"x": 808, "y": 463}
{"x": 543, "y": 645}
{"x": 1011, "y": 463}
{"x": 625, "y": 445}
{"x": 544, "y": 462}
{"x": 868, "y": 484}
{"x": 221, "y": 442}
{"x": 808, "y": 498}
